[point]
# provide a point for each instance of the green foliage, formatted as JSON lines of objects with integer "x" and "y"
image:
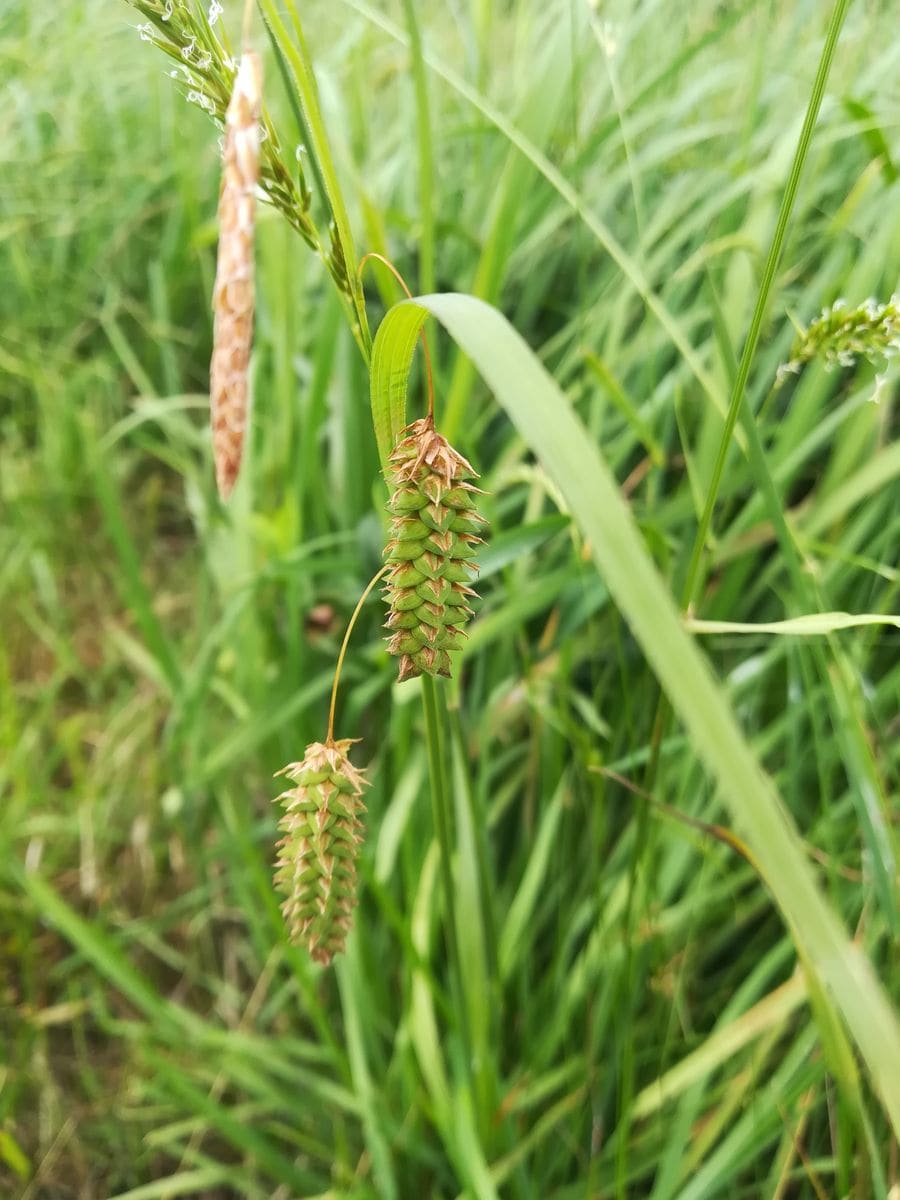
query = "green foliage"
{"x": 558, "y": 985}
{"x": 542, "y": 415}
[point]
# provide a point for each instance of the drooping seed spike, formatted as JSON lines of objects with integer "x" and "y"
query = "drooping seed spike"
{"x": 322, "y": 830}
{"x": 431, "y": 551}
{"x": 233, "y": 294}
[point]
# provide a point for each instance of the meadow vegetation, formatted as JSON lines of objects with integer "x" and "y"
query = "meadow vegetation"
{"x": 626, "y": 995}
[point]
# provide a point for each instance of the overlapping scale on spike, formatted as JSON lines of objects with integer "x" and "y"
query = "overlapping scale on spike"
{"x": 322, "y": 828}
{"x": 433, "y": 543}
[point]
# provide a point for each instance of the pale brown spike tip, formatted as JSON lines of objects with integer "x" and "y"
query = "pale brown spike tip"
{"x": 233, "y": 294}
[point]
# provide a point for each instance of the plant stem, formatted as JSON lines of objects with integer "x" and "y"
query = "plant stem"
{"x": 344, "y": 644}
{"x": 434, "y": 720}
{"x": 425, "y": 155}
{"x": 373, "y": 255}
{"x": 774, "y": 257}
{"x": 297, "y": 56}
{"x": 245, "y": 27}
{"x": 739, "y": 385}
{"x": 694, "y": 572}
{"x": 485, "y": 875}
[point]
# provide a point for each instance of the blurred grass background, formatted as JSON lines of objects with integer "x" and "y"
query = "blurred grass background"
{"x": 641, "y": 1027}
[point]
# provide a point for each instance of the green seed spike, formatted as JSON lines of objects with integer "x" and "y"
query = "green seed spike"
{"x": 322, "y": 827}
{"x": 841, "y": 335}
{"x": 434, "y": 540}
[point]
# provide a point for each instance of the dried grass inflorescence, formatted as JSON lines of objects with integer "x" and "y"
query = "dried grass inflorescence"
{"x": 322, "y": 828}
{"x": 434, "y": 535}
{"x": 233, "y": 296}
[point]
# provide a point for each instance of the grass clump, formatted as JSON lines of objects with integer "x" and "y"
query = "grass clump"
{"x": 557, "y": 987}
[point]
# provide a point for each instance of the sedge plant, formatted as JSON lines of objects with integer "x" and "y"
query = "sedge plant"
{"x": 435, "y": 529}
{"x": 621, "y": 1014}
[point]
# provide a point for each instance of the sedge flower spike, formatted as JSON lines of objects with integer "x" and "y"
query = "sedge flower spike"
{"x": 322, "y": 830}
{"x": 433, "y": 539}
{"x": 233, "y": 295}
{"x": 840, "y": 336}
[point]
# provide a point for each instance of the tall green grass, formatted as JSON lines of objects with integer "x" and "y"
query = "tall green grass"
{"x": 631, "y": 1017}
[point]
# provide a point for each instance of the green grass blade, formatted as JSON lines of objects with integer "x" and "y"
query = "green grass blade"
{"x": 104, "y": 953}
{"x": 626, "y": 263}
{"x": 521, "y": 910}
{"x": 388, "y": 383}
{"x": 353, "y": 1003}
{"x": 739, "y": 384}
{"x": 809, "y": 625}
{"x": 425, "y": 151}
{"x": 721, "y": 1046}
{"x": 184, "y": 1183}
{"x": 545, "y": 419}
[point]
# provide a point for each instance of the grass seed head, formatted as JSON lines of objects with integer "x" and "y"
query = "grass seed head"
{"x": 322, "y": 829}
{"x": 233, "y": 296}
{"x": 841, "y": 335}
{"x": 205, "y": 72}
{"x": 434, "y": 535}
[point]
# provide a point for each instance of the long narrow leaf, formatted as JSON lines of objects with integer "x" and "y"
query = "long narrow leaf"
{"x": 548, "y": 424}
{"x": 809, "y": 625}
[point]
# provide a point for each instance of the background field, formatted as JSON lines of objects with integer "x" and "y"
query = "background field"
{"x": 637, "y": 1022}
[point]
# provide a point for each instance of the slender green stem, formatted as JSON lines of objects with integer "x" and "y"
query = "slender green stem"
{"x": 736, "y": 407}
{"x": 245, "y": 26}
{"x": 774, "y": 257}
{"x": 692, "y": 580}
{"x": 297, "y": 55}
{"x": 480, "y": 826}
{"x": 373, "y": 255}
{"x": 426, "y": 157}
{"x": 441, "y": 808}
{"x": 343, "y": 651}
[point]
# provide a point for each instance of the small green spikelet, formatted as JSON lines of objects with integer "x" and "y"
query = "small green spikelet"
{"x": 316, "y": 867}
{"x": 434, "y": 535}
{"x": 840, "y": 335}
